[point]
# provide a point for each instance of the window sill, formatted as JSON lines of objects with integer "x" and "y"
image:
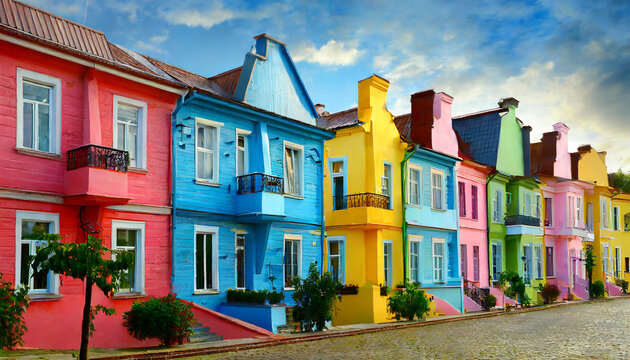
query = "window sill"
{"x": 137, "y": 170}
{"x": 128, "y": 295}
{"x": 438, "y": 210}
{"x": 414, "y": 206}
{"x": 296, "y": 197}
{"x": 206, "y": 292}
{"x": 44, "y": 296}
{"x": 38, "y": 153}
{"x": 206, "y": 183}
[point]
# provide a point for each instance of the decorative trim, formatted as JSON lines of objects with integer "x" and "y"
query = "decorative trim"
{"x": 143, "y": 209}
{"x": 128, "y": 295}
{"x": 37, "y": 153}
{"x": 44, "y": 297}
{"x": 137, "y": 170}
{"x": 30, "y": 196}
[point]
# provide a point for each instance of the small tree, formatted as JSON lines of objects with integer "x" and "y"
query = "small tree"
{"x": 517, "y": 286}
{"x": 489, "y": 302}
{"x": 589, "y": 264}
{"x": 13, "y": 304}
{"x": 314, "y": 297}
{"x": 85, "y": 261}
{"x": 549, "y": 292}
{"x": 598, "y": 290}
{"x": 408, "y": 303}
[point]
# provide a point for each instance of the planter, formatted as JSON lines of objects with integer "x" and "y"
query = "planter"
{"x": 266, "y": 316}
{"x": 349, "y": 290}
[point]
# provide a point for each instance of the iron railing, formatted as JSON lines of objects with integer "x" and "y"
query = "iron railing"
{"x": 475, "y": 293}
{"x": 97, "y": 156}
{"x": 581, "y": 283}
{"x": 522, "y": 220}
{"x": 361, "y": 200}
{"x": 259, "y": 182}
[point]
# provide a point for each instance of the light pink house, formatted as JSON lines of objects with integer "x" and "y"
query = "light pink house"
{"x": 565, "y": 228}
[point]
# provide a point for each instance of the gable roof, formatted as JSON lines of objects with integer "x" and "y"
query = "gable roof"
{"x": 479, "y": 133}
{"x": 403, "y": 124}
{"x": 228, "y": 80}
{"x": 339, "y": 120}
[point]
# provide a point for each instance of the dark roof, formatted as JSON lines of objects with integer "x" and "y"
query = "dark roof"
{"x": 403, "y": 123}
{"x": 479, "y": 134}
{"x": 339, "y": 120}
{"x": 228, "y": 80}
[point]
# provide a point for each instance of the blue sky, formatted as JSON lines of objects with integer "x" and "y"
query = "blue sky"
{"x": 565, "y": 61}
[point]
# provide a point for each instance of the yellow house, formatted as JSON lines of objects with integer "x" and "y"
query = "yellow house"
{"x": 621, "y": 243}
{"x": 363, "y": 209}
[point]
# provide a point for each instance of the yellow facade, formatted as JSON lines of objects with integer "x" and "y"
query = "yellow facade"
{"x": 364, "y": 149}
{"x": 622, "y": 236}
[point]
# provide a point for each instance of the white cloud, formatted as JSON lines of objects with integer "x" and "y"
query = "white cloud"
{"x": 203, "y": 18}
{"x": 74, "y": 7}
{"x": 158, "y": 39}
{"x": 330, "y": 54}
{"x": 382, "y": 61}
{"x": 151, "y": 47}
{"x": 412, "y": 69}
{"x": 128, "y": 7}
{"x": 448, "y": 35}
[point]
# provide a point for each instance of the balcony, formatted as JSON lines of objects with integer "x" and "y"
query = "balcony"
{"x": 96, "y": 175}
{"x": 361, "y": 200}
{"x": 522, "y": 225}
{"x": 259, "y": 195}
{"x": 522, "y": 220}
{"x": 364, "y": 209}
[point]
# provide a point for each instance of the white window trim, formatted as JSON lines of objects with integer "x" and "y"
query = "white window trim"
{"x": 579, "y": 204}
{"x": 390, "y": 263}
{"x": 390, "y": 182}
{"x": 139, "y": 264}
{"x": 300, "y": 148}
{"x": 498, "y": 205}
{"x": 443, "y": 187}
{"x": 618, "y": 222}
{"x": 535, "y": 260}
{"x": 53, "y": 218}
{"x": 418, "y": 168}
{"x": 617, "y": 260}
{"x": 141, "y": 158}
{"x": 245, "y": 134}
{"x": 444, "y": 259}
{"x": 606, "y": 247}
{"x": 217, "y": 144}
{"x": 548, "y": 211}
{"x": 604, "y": 218}
{"x": 342, "y": 255}
{"x": 298, "y": 238}
{"x": 55, "y": 111}
{"x": 214, "y": 230}
{"x": 236, "y": 247}
{"x": 415, "y": 239}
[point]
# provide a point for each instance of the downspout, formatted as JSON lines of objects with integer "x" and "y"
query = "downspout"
{"x": 403, "y": 167}
{"x": 322, "y": 214}
{"x": 488, "y": 225}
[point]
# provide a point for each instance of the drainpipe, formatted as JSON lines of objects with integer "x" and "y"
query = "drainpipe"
{"x": 488, "y": 228}
{"x": 403, "y": 166}
{"x": 321, "y": 203}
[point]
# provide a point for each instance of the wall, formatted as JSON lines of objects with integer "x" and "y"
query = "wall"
{"x": 510, "y": 151}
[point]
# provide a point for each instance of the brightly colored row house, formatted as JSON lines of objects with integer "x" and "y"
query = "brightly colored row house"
{"x": 247, "y": 180}
{"x": 621, "y": 243}
{"x": 566, "y": 228}
{"x": 430, "y": 223}
{"x": 363, "y": 203}
{"x": 76, "y": 117}
{"x": 497, "y": 138}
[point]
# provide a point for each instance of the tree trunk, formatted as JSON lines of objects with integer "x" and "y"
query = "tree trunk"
{"x": 85, "y": 325}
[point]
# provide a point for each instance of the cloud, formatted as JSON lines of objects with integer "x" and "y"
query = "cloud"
{"x": 150, "y": 47}
{"x": 158, "y": 39}
{"x": 332, "y": 53}
{"x": 382, "y": 61}
{"x": 448, "y": 35}
{"x": 128, "y": 7}
{"x": 74, "y": 7}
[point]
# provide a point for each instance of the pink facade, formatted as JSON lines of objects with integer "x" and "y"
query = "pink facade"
{"x": 40, "y": 185}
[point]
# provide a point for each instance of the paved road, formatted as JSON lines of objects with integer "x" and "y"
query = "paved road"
{"x": 598, "y": 330}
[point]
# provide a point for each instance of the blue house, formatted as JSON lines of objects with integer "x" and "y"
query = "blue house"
{"x": 247, "y": 170}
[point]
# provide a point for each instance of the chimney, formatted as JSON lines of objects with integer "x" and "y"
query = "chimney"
{"x": 320, "y": 108}
{"x": 508, "y": 102}
{"x": 372, "y": 94}
{"x": 431, "y": 123}
{"x": 562, "y": 166}
{"x": 526, "y": 132}
{"x": 422, "y": 117}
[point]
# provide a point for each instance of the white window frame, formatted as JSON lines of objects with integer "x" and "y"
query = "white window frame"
{"x": 214, "y": 231}
{"x": 526, "y": 208}
{"x": 418, "y": 168}
{"x": 342, "y": 255}
{"x": 616, "y": 222}
{"x": 215, "y": 151}
{"x": 389, "y": 178}
{"x": 606, "y": 258}
{"x": 389, "y": 264}
{"x": 579, "y": 202}
{"x": 139, "y": 265}
{"x": 442, "y": 189}
{"x": 497, "y": 206}
{"x": 499, "y": 259}
{"x": 605, "y": 213}
{"x": 417, "y": 239}
{"x": 538, "y": 260}
{"x": 291, "y": 237}
{"x": 54, "y": 112}
{"x": 617, "y": 260}
{"x": 538, "y": 206}
{"x": 53, "y": 218}
{"x": 333, "y": 175}
{"x": 141, "y": 152}
{"x": 434, "y": 256}
{"x": 236, "y": 249}
{"x": 300, "y": 180}
{"x": 570, "y": 211}
{"x": 245, "y": 134}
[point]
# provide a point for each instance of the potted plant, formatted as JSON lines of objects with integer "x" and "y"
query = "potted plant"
{"x": 384, "y": 290}
{"x": 349, "y": 289}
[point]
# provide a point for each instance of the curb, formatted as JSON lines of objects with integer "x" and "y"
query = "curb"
{"x": 298, "y": 339}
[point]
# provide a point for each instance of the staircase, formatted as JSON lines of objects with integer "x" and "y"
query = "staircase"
{"x": 202, "y": 333}
{"x": 613, "y": 290}
{"x": 580, "y": 287}
{"x": 475, "y": 293}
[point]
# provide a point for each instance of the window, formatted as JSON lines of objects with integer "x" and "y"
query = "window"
{"x": 38, "y": 111}
{"x": 548, "y": 212}
{"x": 414, "y": 258}
{"x": 475, "y": 202}
{"x": 464, "y": 261}
{"x": 386, "y": 183}
{"x": 616, "y": 222}
{"x": 549, "y": 261}
{"x": 527, "y": 264}
{"x": 387, "y": 263}
{"x": 589, "y": 217}
{"x": 538, "y": 213}
{"x": 618, "y": 262}
{"x": 28, "y": 223}
{"x": 475, "y": 263}
{"x": 438, "y": 260}
{"x": 129, "y": 236}
{"x": 336, "y": 258}
{"x": 527, "y": 204}
{"x": 242, "y": 152}
{"x": 415, "y": 182}
{"x": 538, "y": 262}
{"x": 462, "y": 199}
{"x": 570, "y": 211}
{"x": 605, "y": 258}
{"x": 239, "y": 249}
{"x": 292, "y": 258}
{"x": 497, "y": 206}
{"x": 293, "y": 169}
{"x": 437, "y": 190}
{"x": 207, "y": 150}
{"x": 130, "y": 119}
{"x": 338, "y": 184}
{"x": 497, "y": 256}
{"x": 604, "y": 220}
{"x": 580, "y": 212}
{"x": 508, "y": 198}
{"x": 627, "y": 264}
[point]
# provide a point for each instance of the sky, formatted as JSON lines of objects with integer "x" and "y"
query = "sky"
{"x": 565, "y": 61}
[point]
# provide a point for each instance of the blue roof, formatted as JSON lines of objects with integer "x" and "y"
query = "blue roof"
{"x": 481, "y": 133}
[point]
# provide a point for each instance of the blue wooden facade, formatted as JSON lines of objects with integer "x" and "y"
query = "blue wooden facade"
{"x": 268, "y": 116}
{"x": 432, "y": 222}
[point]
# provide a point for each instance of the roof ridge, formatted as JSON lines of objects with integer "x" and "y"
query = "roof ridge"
{"x": 482, "y": 112}
{"x": 341, "y": 112}
{"x": 58, "y": 17}
{"x": 226, "y": 72}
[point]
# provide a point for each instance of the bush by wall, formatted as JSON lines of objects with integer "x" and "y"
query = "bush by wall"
{"x": 598, "y": 289}
{"x": 13, "y": 304}
{"x": 489, "y": 301}
{"x": 314, "y": 297}
{"x": 549, "y": 293}
{"x": 408, "y": 303}
{"x": 623, "y": 284}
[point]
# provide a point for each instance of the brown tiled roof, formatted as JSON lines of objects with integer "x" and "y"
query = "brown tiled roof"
{"x": 36, "y": 22}
{"x": 228, "y": 80}
{"x": 403, "y": 123}
{"x": 188, "y": 78}
{"x": 339, "y": 120}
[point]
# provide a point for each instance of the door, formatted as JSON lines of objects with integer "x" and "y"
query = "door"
{"x": 464, "y": 262}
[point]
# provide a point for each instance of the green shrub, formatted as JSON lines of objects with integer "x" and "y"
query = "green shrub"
{"x": 489, "y": 302}
{"x": 598, "y": 289}
{"x": 247, "y": 296}
{"x": 165, "y": 318}
{"x": 549, "y": 293}
{"x": 623, "y": 284}
{"x": 13, "y": 304}
{"x": 314, "y": 297}
{"x": 275, "y": 297}
{"x": 408, "y": 303}
{"x": 516, "y": 287}
{"x": 384, "y": 290}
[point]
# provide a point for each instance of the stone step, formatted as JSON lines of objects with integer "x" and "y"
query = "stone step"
{"x": 200, "y": 329}
{"x": 205, "y": 338}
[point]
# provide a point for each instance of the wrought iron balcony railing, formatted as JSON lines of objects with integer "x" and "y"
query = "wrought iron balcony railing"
{"x": 259, "y": 182}
{"x": 97, "y": 156}
{"x": 476, "y": 293}
{"x": 361, "y": 200}
{"x": 522, "y": 220}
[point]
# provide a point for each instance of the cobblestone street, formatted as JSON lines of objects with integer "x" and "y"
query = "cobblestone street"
{"x": 587, "y": 331}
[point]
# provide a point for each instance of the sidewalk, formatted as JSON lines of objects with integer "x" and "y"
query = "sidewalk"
{"x": 242, "y": 344}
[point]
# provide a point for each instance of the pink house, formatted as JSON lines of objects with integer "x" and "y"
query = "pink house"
{"x": 72, "y": 105}
{"x": 565, "y": 228}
